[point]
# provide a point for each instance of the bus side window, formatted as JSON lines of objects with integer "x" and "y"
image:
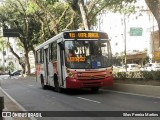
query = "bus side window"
{"x": 50, "y": 52}
{"x": 53, "y": 51}
{"x": 38, "y": 56}
{"x": 41, "y": 56}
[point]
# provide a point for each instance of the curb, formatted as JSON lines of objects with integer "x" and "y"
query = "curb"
{"x": 15, "y": 104}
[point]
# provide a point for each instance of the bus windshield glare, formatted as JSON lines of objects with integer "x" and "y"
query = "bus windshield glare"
{"x": 89, "y": 54}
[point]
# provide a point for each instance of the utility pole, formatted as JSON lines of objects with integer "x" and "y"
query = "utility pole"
{"x": 125, "y": 54}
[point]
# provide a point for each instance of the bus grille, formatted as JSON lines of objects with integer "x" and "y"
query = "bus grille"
{"x": 92, "y": 76}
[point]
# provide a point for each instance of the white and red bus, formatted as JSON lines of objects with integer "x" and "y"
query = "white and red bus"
{"x": 75, "y": 59}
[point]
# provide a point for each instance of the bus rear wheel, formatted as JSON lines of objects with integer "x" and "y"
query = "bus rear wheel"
{"x": 95, "y": 89}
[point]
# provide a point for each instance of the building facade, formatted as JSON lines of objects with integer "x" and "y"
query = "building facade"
{"x": 9, "y": 61}
{"x": 131, "y": 32}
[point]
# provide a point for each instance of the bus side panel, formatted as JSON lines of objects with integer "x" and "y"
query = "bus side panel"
{"x": 51, "y": 73}
{"x": 38, "y": 67}
{"x": 40, "y": 72}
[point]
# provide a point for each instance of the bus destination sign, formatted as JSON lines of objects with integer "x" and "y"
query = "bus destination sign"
{"x": 85, "y": 35}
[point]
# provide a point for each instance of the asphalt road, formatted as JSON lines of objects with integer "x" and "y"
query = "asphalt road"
{"x": 29, "y": 94}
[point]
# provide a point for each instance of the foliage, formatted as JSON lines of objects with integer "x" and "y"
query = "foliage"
{"x": 36, "y": 21}
{"x": 1, "y": 68}
{"x": 146, "y": 60}
{"x": 117, "y": 61}
{"x": 143, "y": 75}
{"x": 13, "y": 14}
{"x": 90, "y": 9}
{"x": 10, "y": 66}
{"x": 153, "y": 75}
{"x": 120, "y": 75}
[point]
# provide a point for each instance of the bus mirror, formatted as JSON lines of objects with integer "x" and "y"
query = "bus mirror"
{"x": 61, "y": 44}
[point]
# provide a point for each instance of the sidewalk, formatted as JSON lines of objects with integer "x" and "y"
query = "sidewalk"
{"x": 10, "y": 105}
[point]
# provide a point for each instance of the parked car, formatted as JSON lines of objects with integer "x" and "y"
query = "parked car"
{"x": 151, "y": 67}
{"x": 17, "y": 72}
{"x": 130, "y": 68}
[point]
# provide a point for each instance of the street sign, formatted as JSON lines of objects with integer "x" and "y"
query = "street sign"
{"x": 136, "y": 31}
{"x": 10, "y": 33}
{"x": 157, "y": 55}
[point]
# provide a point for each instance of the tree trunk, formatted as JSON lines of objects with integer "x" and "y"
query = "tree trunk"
{"x": 155, "y": 9}
{"x": 27, "y": 63}
{"x": 16, "y": 55}
{"x": 84, "y": 15}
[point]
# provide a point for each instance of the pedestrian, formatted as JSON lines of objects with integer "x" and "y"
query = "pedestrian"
{"x": 9, "y": 73}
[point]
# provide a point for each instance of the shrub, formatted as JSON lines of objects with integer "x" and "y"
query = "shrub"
{"x": 145, "y": 75}
{"x": 121, "y": 75}
{"x": 155, "y": 75}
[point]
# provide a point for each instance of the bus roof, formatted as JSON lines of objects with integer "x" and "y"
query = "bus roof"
{"x": 58, "y": 36}
{"x": 75, "y": 34}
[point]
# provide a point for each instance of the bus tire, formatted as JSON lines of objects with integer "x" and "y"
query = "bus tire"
{"x": 56, "y": 84}
{"x": 42, "y": 82}
{"x": 95, "y": 89}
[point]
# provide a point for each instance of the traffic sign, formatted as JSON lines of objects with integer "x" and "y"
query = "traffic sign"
{"x": 11, "y": 33}
{"x": 136, "y": 31}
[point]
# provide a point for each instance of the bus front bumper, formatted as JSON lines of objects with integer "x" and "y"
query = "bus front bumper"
{"x": 76, "y": 84}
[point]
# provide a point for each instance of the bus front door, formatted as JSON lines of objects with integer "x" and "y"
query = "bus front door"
{"x": 46, "y": 64}
{"x": 61, "y": 68}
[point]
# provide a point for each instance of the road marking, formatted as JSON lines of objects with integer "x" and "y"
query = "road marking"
{"x": 88, "y": 100}
{"x": 127, "y": 93}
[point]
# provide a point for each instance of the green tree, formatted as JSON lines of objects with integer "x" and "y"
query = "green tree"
{"x": 37, "y": 21}
{"x": 91, "y": 8}
{"x": 55, "y": 17}
{"x": 10, "y": 66}
{"x": 14, "y": 14}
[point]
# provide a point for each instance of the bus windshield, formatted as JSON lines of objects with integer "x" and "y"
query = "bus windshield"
{"x": 89, "y": 54}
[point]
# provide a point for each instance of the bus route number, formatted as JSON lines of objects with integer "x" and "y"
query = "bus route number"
{"x": 72, "y": 35}
{"x": 76, "y": 59}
